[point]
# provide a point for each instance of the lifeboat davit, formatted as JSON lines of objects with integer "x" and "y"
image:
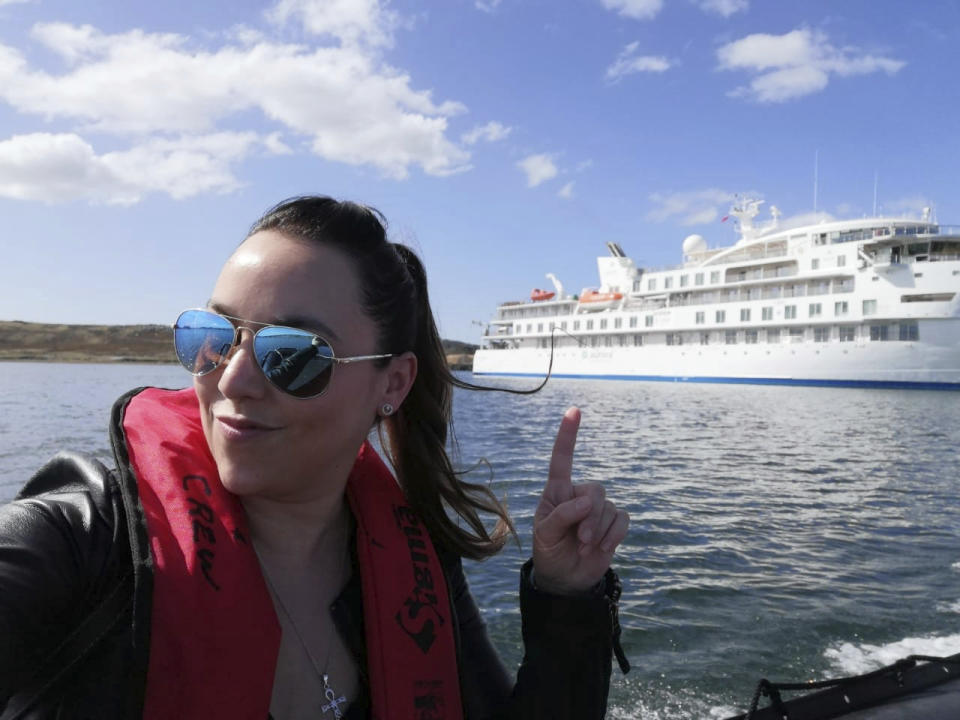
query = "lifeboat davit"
{"x": 537, "y": 295}
{"x": 595, "y": 300}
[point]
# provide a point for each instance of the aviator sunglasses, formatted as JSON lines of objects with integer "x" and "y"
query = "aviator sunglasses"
{"x": 295, "y": 361}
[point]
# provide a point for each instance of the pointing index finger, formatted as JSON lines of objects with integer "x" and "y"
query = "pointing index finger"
{"x": 559, "y": 486}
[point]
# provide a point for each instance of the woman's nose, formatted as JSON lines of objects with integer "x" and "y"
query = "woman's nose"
{"x": 242, "y": 376}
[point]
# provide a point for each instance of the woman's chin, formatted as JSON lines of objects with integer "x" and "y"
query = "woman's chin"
{"x": 241, "y": 483}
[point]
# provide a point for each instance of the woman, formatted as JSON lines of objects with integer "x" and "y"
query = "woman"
{"x": 252, "y": 554}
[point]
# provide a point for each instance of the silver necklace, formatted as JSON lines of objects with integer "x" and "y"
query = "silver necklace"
{"x": 333, "y": 702}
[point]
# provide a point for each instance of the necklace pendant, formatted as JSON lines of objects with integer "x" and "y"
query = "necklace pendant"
{"x": 333, "y": 702}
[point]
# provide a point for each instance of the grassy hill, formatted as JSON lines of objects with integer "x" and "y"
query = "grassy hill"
{"x": 123, "y": 343}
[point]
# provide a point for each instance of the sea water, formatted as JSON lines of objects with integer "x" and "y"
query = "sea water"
{"x": 787, "y": 533}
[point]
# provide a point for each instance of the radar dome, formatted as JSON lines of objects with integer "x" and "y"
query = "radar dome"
{"x": 694, "y": 244}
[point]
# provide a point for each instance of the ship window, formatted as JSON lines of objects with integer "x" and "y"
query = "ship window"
{"x": 767, "y": 313}
{"x": 684, "y": 280}
{"x": 744, "y": 314}
{"x": 633, "y": 321}
{"x": 603, "y": 323}
{"x": 821, "y": 334}
{"x": 636, "y": 285}
{"x": 721, "y": 316}
{"x": 879, "y": 333}
{"x": 518, "y": 326}
{"x": 589, "y": 324}
{"x": 846, "y": 333}
{"x": 576, "y": 324}
{"x": 529, "y": 327}
{"x": 667, "y": 283}
{"x": 621, "y": 341}
{"x": 750, "y": 337}
{"x": 648, "y": 321}
{"x": 700, "y": 317}
{"x": 773, "y": 335}
{"x": 617, "y": 323}
{"x": 869, "y": 307}
{"x": 714, "y": 277}
{"x": 909, "y": 332}
{"x": 841, "y": 308}
{"x": 841, "y": 260}
{"x": 704, "y": 338}
{"x": 652, "y": 284}
{"x": 790, "y": 312}
{"x": 593, "y": 341}
{"x": 815, "y": 264}
{"x": 698, "y": 279}
{"x": 796, "y": 335}
{"x": 563, "y": 324}
{"x": 816, "y": 309}
{"x": 607, "y": 341}
{"x": 730, "y": 337}
{"x": 539, "y": 327}
{"x": 930, "y": 297}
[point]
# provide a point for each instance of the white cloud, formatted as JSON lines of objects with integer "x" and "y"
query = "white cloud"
{"x": 539, "y": 169}
{"x": 909, "y": 206}
{"x": 726, "y": 8}
{"x": 636, "y": 9}
{"x": 795, "y": 64}
{"x": 566, "y": 191}
{"x": 491, "y": 132}
{"x": 346, "y": 104}
{"x": 696, "y": 207}
{"x": 275, "y": 144}
{"x": 628, "y": 62}
{"x": 13, "y": 2}
{"x": 64, "y": 167}
{"x": 805, "y": 219}
{"x": 351, "y": 22}
{"x": 488, "y": 6}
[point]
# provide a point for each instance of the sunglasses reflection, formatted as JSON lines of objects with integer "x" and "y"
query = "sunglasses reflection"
{"x": 290, "y": 368}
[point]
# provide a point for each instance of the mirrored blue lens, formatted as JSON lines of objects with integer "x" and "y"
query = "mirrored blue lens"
{"x": 202, "y": 339}
{"x": 296, "y": 361}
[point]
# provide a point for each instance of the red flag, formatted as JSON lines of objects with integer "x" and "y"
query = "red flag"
{"x": 725, "y": 218}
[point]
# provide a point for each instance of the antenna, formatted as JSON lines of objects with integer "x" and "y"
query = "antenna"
{"x": 816, "y": 159}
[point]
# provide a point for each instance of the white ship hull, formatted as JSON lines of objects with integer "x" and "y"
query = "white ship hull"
{"x": 854, "y": 364}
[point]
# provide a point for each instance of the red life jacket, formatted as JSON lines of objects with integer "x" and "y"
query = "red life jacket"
{"x": 214, "y": 634}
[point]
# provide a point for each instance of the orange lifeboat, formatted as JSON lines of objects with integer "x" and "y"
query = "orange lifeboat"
{"x": 537, "y": 295}
{"x": 595, "y": 300}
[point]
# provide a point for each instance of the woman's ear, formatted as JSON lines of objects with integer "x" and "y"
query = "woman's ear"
{"x": 401, "y": 372}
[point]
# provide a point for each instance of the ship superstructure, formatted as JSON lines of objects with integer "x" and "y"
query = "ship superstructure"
{"x": 874, "y": 301}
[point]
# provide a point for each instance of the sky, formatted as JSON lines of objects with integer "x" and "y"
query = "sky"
{"x": 502, "y": 139}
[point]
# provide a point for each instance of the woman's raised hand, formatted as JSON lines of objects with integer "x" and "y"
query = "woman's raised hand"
{"x": 575, "y": 528}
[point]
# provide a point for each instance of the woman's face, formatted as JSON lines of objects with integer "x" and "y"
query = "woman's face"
{"x": 265, "y": 442}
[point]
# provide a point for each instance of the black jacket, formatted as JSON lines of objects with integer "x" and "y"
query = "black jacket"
{"x": 73, "y": 544}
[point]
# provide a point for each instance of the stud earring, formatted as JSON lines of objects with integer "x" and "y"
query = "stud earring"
{"x": 386, "y": 409}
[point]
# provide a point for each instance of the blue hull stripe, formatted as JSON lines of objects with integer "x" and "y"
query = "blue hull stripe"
{"x": 888, "y": 384}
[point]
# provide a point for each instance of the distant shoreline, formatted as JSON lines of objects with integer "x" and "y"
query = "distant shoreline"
{"x": 52, "y": 342}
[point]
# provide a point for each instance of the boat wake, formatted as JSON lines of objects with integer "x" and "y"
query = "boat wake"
{"x": 853, "y": 659}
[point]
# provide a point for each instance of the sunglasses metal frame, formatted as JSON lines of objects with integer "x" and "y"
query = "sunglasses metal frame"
{"x": 237, "y": 328}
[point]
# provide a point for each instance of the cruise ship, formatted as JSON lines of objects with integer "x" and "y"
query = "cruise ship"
{"x": 873, "y": 302}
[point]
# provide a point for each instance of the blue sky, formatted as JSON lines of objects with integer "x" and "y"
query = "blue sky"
{"x": 503, "y": 139}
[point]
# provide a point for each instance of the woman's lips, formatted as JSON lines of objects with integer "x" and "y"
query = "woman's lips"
{"x": 237, "y": 428}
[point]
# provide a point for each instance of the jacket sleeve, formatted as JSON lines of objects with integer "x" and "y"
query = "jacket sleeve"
{"x": 568, "y": 643}
{"x": 53, "y": 537}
